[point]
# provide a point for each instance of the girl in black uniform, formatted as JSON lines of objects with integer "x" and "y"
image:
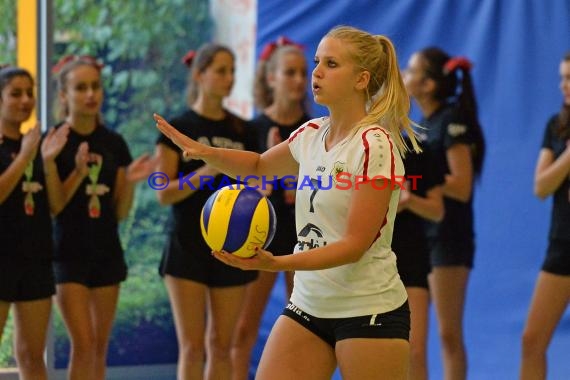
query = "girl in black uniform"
{"x": 442, "y": 87}
{"x": 280, "y": 92}
{"x": 552, "y": 290}
{"x": 420, "y": 200}
{"x": 97, "y": 179}
{"x": 204, "y": 293}
{"x": 26, "y": 246}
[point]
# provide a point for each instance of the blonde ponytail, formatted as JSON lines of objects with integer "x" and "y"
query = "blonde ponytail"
{"x": 390, "y": 103}
{"x": 391, "y": 106}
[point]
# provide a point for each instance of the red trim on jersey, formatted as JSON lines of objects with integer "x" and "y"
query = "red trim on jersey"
{"x": 365, "y": 169}
{"x": 312, "y": 125}
{"x": 367, "y": 152}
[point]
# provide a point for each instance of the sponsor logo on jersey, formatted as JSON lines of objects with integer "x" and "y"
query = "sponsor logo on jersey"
{"x": 338, "y": 168}
{"x": 310, "y": 237}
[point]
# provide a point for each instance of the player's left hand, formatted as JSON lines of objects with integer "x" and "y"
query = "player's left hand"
{"x": 262, "y": 260}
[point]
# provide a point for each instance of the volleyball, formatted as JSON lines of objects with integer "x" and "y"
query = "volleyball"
{"x": 237, "y": 219}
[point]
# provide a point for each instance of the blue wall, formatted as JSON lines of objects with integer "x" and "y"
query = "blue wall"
{"x": 516, "y": 47}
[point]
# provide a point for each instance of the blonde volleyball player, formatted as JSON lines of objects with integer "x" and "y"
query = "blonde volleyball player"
{"x": 349, "y": 307}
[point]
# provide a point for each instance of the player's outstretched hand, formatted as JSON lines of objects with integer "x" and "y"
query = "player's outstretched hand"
{"x": 191, "y": 148}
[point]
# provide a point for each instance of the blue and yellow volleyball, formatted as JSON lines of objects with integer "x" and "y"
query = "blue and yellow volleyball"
{"x": 237, "y": 219}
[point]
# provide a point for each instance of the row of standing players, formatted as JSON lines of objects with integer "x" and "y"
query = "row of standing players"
{"x": 91, "y": 168}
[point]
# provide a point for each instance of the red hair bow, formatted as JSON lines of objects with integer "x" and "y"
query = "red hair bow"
{"x": 188, "y": 58}
{"x": 457, "y": 62}
{"x": 269, "y": 48}
{"x": 70, "y": 58}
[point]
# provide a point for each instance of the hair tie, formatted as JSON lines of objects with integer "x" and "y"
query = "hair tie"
{"x": 188, "y": 58}
{"x": 270, "y": 47}
{"x": 62, "y": 62}
{"x": 94, "y": 61}
{"x": 70, "y": 58}
{"x": 455, "y": 63}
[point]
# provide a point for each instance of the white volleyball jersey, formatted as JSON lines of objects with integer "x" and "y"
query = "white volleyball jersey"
{"x": 371, "y": 285}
